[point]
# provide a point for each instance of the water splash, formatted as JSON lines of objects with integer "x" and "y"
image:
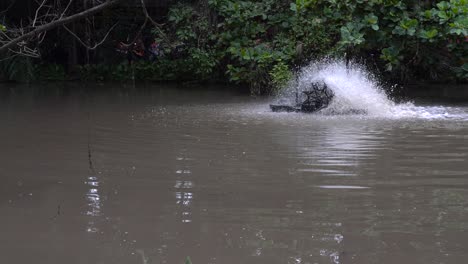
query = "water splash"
{"x": 355, "y": 88}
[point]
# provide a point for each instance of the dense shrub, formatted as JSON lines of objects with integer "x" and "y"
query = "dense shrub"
{"x": 255, "y": 42}
{"x": 261, "y": 42}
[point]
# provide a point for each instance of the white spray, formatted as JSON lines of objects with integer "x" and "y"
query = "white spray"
{"x": 355, "y": 89}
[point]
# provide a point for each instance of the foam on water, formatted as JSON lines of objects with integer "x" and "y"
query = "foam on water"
{"x": 357, "y": 90}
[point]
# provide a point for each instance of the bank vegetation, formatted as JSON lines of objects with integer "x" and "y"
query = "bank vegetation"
{"x": 256, "y": 43}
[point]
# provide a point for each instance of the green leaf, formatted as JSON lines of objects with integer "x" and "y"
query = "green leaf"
{"x": 375, "y": 27}
{"x": 188, "y": 261}
{"x": 391, "y": 54}
{"x": 371, "y": 19}
{"x": 293, "y": 7}
{"x": 345, "y": 34}
{"x": 465, "y": 67}
{"x": 428, "y": 34}
{"x": 443, "y": 16}
{"x": 456, "y": 31}
{"x": 412, "y": 23}
{"x": 2, "y": 28}
{"x": 431, "y": 33}
{"x": 398, "y": 31}
{"x": 443, "y": 5}
{"x": 428, "y": 14}
{"x": 406, "y": 27}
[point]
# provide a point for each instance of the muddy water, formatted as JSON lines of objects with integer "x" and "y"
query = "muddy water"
{"x": 158, "y": 174}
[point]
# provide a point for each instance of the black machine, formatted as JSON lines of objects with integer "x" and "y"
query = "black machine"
{"x": 317, "y": 98}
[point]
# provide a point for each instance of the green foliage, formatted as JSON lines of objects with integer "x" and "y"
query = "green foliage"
{"x": 462, "y": 72}
{"x": 257, "y": 43}
{"x": 50, "y": 72}
{"x": 198, "y": 66}
{"x": 413, "y": 38}
{"x": 392, "y": 55}
{"x": 17, "y": 68}
{"x": 182, "y": 18}
{"x": 280, "y": 75}
{"x": 258, "y": 34}
{"x": 201, "y": 63}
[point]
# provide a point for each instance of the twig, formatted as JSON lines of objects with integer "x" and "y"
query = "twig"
{"x": 8, "y": 8}
{"x": 66, "y": 9}
{"x": 43, "y": 37}
{"x": 155, "y": 24}
{"x": 84, "y": 44}
{"x": 37, "y": 13}
{"x": 137, "y": 35}
{"x": 5, "y": 35}
{"x": 26, "y": 52}
{"x": 57, "y": 23}
{"x": 145, "y": 11}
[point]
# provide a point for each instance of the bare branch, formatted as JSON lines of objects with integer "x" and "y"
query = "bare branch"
{"x": 5, "y": 35}
{"x": 60, "y": 22}
{"x": 145, "y": 11}
{"x": 43, "y": 37}
{"x": 156, "y": 25}
{"x": 25, "y": 51}
{"x": 8, "y": 8}
{"x": 137, "y": 34}
{"x": 66, "y": 9}
{"x": 37, "y": 13}
{"x": 84, "y": 44}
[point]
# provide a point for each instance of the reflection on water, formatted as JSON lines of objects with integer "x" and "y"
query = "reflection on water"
{"x": 223, "y": 180}
{"x": 334, "y": 150}
{"x": 341, "y": 187}
{"x": 183, "y": 193}
{"x": 94, "y": 203}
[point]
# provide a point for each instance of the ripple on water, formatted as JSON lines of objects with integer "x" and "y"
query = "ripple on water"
{"x": 349, "y": 187}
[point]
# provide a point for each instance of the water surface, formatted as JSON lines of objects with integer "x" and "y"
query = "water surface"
{"x": 156, "y": 174}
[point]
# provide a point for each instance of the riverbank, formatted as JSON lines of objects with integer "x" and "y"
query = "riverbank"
{"x": 260, "y": 44}
{"x": 436, "y": 92}
{"x": 420, "y": 92}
